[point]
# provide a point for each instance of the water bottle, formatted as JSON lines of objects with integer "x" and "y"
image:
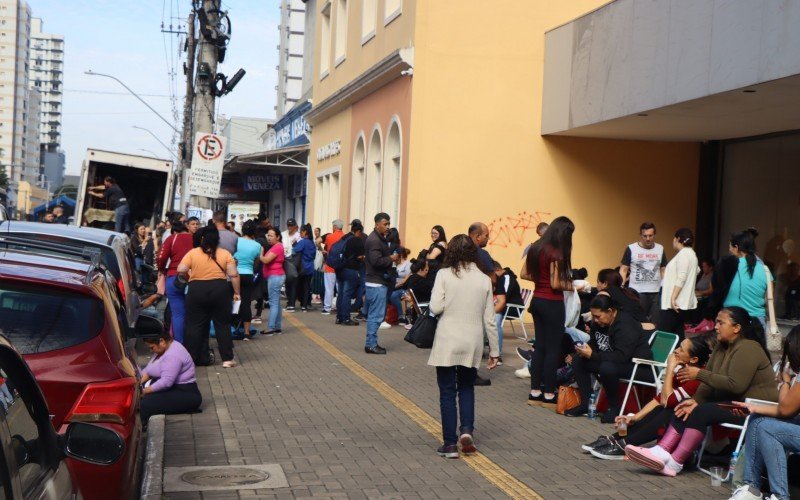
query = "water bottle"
{"x": 737, "y": 473}
{"x": 732, "y": 467}
{"x": 593, "y": 406}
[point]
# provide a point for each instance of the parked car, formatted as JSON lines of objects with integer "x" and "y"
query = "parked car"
{"x": 115, "y": 248}
{"x": 64, "y": 316}
{"x": 32, "y": 454}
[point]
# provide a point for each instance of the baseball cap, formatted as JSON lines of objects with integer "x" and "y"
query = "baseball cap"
{"x": 291, "y": 222}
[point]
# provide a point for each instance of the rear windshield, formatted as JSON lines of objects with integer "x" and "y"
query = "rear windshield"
{"x": 39, "y": 319}
{"x": 106, "y": 253}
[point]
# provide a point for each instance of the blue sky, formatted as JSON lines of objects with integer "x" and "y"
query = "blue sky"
{"x": 124, "y": 39}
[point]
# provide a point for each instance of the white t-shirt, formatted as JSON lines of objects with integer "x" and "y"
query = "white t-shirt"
{"x": 289, "y": 241}
{"x": 645, "y": 267}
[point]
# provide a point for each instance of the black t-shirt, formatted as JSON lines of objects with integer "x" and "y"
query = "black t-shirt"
{"x": 353, "y": 248}
{"x": 508, "y": 285}
{"x": 114, "y": 196}
{"x": 421, "y": 286}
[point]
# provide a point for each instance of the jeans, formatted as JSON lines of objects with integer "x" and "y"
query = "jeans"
{"x": 456, "y": 380}
{"x": 577, "y": 335}
{"x": 376, "y": 311}
{"x": 767, "y": 442}
{"x": 651, "y": 304}
{"x": 274, "y": 284}
{"x": 122, "y": 215}
{"x": 330, "y": 284}
{"x": 498, "y": 319}
{"x": 348, "y": 287}
{"x": 177, "y": 304}
{"x": 394, "y": 299}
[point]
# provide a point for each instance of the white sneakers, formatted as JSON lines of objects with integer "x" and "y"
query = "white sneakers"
{"x": 384, "y": 326}
{"x": 745, "y": 492}
{"x": 523, "y": 372}
{"x": 228, "y": 364}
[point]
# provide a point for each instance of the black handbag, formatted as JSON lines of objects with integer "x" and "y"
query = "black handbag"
{"x": 422, "y": 331}
{"x": 180, "y": 283}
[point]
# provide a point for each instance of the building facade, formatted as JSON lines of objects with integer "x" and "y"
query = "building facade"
{"x": 290, "y": 55}
{"x": 15, "y": 28}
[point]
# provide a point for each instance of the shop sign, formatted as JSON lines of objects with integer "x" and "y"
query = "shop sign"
{"x": 287, "y": 134}
{"x": 329, "y": 150}
{"x": 262, "y": 182}
{"x": 291, "y": 130}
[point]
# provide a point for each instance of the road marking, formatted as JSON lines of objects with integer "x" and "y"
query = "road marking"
{"x": 492, "y": 472}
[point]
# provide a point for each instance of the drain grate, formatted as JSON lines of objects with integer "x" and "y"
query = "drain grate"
{"x": 224, "y": 477}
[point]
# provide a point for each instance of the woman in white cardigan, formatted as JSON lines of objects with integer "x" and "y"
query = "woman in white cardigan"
{"x": 462, "y": 298}
{"x": 678, "y": 287}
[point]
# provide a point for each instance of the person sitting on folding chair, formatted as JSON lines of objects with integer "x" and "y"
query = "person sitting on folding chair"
{"x": 645, "y": 426}
{"x": 506, "y": 291}
{"x": 608, "y": 355}
{"x": 774, "y": 431}
{"x": 739, "y": 368}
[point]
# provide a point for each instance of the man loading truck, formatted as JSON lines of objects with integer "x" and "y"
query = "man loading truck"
{"x": 117, "y": 202}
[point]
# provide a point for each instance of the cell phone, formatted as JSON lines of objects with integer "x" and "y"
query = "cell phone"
{"x": 579, "y": 344}
{"x": 732, "y": 407}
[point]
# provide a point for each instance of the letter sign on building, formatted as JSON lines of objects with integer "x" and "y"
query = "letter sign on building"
{"x": 329, "y": 150}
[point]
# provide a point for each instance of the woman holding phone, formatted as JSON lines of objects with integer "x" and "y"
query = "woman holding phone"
{"x": 739, "y": 368}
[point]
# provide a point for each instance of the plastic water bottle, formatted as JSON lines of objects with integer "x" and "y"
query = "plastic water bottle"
{"x": 593, "y": 406}
{"x": 737, "y": 473}
{"x": 732, "y": 467}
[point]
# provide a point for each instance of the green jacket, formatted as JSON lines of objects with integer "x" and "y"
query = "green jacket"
{"x": 742, "y": 370}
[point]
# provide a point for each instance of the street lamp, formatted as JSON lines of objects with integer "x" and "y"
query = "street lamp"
{"x": 159, "y": 141}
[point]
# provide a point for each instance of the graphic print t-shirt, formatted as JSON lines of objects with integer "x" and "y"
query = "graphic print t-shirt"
{"x": 645, "y": 267}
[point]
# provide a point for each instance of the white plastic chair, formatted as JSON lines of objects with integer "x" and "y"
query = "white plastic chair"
{"x": 515, "y": 312}
{"x": 662, "y": 344}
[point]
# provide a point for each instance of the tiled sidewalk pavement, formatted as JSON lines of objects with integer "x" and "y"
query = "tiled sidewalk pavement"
{"x": 292, "y": 403}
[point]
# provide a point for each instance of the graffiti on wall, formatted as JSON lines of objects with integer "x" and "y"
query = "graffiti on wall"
{"x": 515, "y": 230}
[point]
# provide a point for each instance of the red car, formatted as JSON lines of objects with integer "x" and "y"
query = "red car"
{"x": 65, "y": 318}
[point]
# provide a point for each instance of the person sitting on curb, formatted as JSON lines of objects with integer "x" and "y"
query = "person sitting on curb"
{"x": 644, "y": 426}
{"x": 169, "y": 381}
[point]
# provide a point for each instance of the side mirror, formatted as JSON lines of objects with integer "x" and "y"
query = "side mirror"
{"x": 93, "y": 444}
{"x": 147, "y": 326}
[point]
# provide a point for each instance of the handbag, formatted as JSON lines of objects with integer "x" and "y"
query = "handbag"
{"x": 422, "y": 332}
{"x": 180, "y": 283}
{"x": 289, "y": 270}
{"x": 568, "y": 398}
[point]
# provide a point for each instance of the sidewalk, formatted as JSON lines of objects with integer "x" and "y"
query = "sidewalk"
{"x": 345, "y": 424}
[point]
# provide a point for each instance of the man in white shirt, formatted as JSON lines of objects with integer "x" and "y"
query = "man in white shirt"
{"x": 289, "y": 237}
{"x": 643, "y": 263}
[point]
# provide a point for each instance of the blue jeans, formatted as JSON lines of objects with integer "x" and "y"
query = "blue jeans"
{"x": 122, "y": 220}
{"x": 394, "y": 299}
{"x": 348, "y": 283}
{"x": 498, "y": 319}
{"x": 375, "y": 311}
{"x": 577, "y": 335}
{"x": 767, "y": 441}
{"x": 274, "y": 284}
{"x": 456, "y": 380}
{"x": 177, "y": 304}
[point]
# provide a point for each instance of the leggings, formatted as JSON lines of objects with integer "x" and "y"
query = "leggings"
{"x": 646, "y": 429}
{"x": 304, "y": 292}
{"x": 548, "y": 321}
{"x": 180, "y": 398}
{"x": 682, "y": 438}
{"x": 247, "y": 287}
{"x": 208, "y": 300}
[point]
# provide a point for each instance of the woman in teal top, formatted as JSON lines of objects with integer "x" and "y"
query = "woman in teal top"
{"x": 748, "y": 289}
{"x": 248, "y": 250}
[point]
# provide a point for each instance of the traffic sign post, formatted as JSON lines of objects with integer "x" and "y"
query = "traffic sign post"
{"x": 207, "y": 162}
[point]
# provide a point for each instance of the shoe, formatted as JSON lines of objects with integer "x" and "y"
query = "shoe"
{"x": 448, "y": 451}
{"x": 270, "y": 333}
{"x": 408, "y": 326}
{"x": 256, "y": 321}
{"x": 535, "y": 400}
{"x": 326, "y": 313}
{"x": 643, "y": 457}
{"x": 228, "y": 364}
{"x": 384, "y": 326}
{"x": 288, "y": 309}
{"x": 467, "y": 444}
{"x": 609, "y": 416}
{"x": 525, "y": 354}
{"x": 611, "y": 451}
{"x": 500, "y": 361}
{"x": 549, "y": 403}
{"x": 361, "y": 317}
{"x": 744, "y": 492}
{"x": 349, "y": 322}
{"x": 600, "y": 442}
{"x": 375, "y": 350}
{"x": 338, "y": 321}
{"x": 304, "y": 309}
{"x": 482, "y": 381}
{"x": 523, "y": 372}
{"x": 403, "y": 320}
{"x": 578, "y": 411}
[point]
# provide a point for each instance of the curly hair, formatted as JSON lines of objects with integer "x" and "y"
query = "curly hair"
{"x": 460, "y": 252}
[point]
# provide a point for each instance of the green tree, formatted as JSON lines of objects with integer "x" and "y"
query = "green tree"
{"x": 3, "y": 178}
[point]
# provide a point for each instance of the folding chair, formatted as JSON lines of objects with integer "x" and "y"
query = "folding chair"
{"x": 515, "y": 312}
{"x": 742, "y": 428}
{"x": 662, "y": 344}
{"x": 419, "y": 307}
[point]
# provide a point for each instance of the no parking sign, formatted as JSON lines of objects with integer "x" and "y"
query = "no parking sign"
{"x": 207, "y": 161}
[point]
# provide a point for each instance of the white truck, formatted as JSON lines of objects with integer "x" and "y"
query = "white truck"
{"x": 146, "y": 181}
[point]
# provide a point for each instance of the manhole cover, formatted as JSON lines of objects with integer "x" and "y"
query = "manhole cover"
{"x": 224, "y": 477}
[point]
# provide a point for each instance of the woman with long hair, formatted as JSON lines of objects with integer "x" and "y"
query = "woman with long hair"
{"x": 549, "y": 263}
{"x": 307, "y": 250}
{"x": 748, "y": 288}
{"x": 248, "y": 251}
{"x": 209, "y": 299}
{"x": 275, "y": 276}
{"x": 175, "y": 247}
{"x": 739, "y": 368}
{"x": 678, "y": 299}
{"x": 437, "y": 248}
{"x": 462, "y": 298}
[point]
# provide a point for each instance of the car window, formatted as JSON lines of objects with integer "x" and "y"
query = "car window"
{"x": 39, "y": 319}
{"x": 25, "y": 442}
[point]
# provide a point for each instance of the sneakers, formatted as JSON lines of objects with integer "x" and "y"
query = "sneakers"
{"x": 523, "y": 372}
{"x": 375, "y": 350}
{"x": 270, "y": 333}
{"x": 549, "y": 403}
{"x": 228, "y": 364}
{"x": 256, "y": 321}
{"x": 326, "y": 313}
{"x": 467, "y": 444}
{"x": 500, "y": 361}
{"x": 535, "y": 400}
{"x": 744, "y": 492}
{"x": 384, "y": 326}
{"x": 525, "y": 354}
{"x": 612, "y": 451}
{"x": 361, "y": 317}
{"x": 578, "y": 411}
{"x": 289, "y": 309}
{"x": 448, "y": 451}
{"x": 644, "y": 457}
{"x": 600, "y": 442}
{"x": 349, "y": 322}
{"x": 403, "y": 320}
{"x": 303, "y": 309}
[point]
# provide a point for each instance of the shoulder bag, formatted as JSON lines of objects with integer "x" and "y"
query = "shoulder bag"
{"x": 568, "y": 398}
{"x": 422, "y": 332}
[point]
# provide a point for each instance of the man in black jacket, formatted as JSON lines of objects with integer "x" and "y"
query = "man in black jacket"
{"x": 379, "y": 266}
{"x": 348, "y": 279}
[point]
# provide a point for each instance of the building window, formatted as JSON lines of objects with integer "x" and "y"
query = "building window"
{"x": 392, "y": 173}
{"x": 372, "y": 193}
{"x": 392, "y": 10}
{"x": 341, "y": 31}
{"x": 326, "y": 201}
{"x": 325, "y": 42}
{"x": 369, "y": 14}
{"x": 358, "y": 180}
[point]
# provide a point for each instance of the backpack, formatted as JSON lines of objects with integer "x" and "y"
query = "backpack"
{"x": 336, "y": 258}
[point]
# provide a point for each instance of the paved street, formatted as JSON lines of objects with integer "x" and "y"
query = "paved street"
{"x": 345, "y": 424}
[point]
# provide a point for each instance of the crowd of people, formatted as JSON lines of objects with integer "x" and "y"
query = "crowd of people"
{"x": 585, "y": 336}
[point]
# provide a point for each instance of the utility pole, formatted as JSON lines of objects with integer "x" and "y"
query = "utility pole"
{"x": 187, "y": 138}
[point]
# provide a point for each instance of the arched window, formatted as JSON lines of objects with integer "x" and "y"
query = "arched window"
{"x": 392, "y": 171}
{"x": 372, "y": 195}
{"x": 357, "y": 184}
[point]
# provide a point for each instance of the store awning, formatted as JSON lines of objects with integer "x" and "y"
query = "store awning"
{"x": 288, "y": 160}
{"x": 61, "y": 200}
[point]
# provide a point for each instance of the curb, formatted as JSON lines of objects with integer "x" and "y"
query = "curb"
{"x": 153, "y": 474}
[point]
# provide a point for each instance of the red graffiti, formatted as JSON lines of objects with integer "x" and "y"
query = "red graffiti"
{"x": 515, "y": 229}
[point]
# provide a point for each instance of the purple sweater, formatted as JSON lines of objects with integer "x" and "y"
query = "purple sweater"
{"x": 175, "y": 366}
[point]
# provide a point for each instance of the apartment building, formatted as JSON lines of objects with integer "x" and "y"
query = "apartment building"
{"x": 15, "y": 18}
{"x": 290, "y": 55}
